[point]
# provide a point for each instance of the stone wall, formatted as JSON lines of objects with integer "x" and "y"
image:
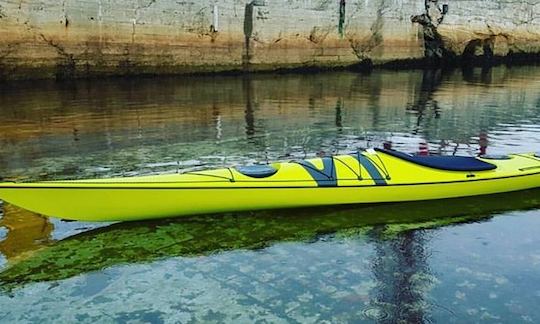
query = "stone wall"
{"x": 69, "y": 38}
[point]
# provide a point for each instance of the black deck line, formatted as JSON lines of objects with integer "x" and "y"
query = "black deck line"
{"x": 371, "y": 168}
{"x": 326, "y": 177}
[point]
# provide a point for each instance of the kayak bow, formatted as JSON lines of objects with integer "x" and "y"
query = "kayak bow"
{"x": 372, "y": 176}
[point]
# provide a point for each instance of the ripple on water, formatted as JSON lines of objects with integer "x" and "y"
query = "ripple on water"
{"x": 376, "y": 313}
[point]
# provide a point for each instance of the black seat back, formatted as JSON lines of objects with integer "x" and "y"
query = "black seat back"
{"x": 449, "y": 163}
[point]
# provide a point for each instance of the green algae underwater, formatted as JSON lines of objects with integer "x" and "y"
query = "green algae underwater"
{"x": 143, "y": 242}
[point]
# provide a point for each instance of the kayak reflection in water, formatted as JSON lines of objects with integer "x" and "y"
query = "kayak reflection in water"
{"x": 139, "y": 242}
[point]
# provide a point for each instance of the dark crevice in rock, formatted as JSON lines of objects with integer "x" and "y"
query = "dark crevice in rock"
{"x": 470, "y": 49}
{"x": 487, "y": 46}
{"x": 434, "y": 49}
{"x": 482, "y": 51}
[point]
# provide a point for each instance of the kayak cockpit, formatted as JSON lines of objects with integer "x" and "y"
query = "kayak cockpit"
{"x": 448, "y": 163}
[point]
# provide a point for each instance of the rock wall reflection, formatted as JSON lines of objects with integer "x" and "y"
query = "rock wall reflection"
{"x": 119, "y": 125}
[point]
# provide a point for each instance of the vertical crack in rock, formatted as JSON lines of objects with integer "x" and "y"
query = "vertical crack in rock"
{"x": 214, "y": 28}
{"x": 66, "y": 19}
{"x": 341, "y": 18}
{"x": 248, "y": 31}
{"x": 126, "y": 65}
{"x": 100, "y": 22}
{"x": 2, "y": 12}
{"x": 430, "y": 20}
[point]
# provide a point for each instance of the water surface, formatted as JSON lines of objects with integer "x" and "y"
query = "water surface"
{"x": 464, "y": 260}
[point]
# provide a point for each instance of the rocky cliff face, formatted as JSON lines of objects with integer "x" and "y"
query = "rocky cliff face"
{"x": 71, "y": 38}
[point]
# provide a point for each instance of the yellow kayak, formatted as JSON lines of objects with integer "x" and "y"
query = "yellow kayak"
{"x": 371, "y": 176}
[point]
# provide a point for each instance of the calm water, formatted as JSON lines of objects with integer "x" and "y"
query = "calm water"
{"x": 464, "y": 260}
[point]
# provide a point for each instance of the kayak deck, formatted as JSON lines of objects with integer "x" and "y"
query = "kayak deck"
{"x": 364, "y": 177}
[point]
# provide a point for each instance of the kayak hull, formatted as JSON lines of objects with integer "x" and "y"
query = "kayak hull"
{"x": 166, "y": 196}
{"x": 105, "y": 204}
